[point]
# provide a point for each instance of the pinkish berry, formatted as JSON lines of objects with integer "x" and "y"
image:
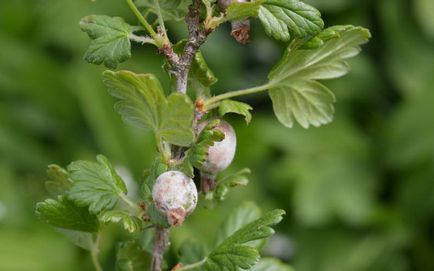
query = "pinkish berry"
{"x": 175, "y": 195}
{"x": 221, "y": 154}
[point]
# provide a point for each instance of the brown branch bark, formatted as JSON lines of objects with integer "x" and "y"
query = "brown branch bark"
{"x": 197, "y": 35}
{"x": 180, "y": 69}
{"x": 161, "y": 242}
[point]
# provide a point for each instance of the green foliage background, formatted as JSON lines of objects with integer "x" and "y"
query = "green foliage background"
{"x": 359, "y": 192}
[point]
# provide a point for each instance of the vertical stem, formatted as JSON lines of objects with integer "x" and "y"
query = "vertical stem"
{"x": 180, "y": 68}
{"x": 161, "y": 242}
{"x": 94, "y": 253}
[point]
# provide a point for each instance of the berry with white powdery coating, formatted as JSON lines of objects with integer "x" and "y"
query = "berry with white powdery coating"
{"x": 175, "y": 195}
{"x": 220, "y": 155}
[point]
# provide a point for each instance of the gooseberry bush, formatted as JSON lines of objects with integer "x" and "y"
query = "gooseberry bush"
{"x": 194, "y": 143}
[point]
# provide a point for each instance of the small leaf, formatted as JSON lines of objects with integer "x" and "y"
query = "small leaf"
{"x": 96, "y": 185}
{"x": 63, "y": 213}
{"x": 130, "y": 223}
{"x": 286, "y": 19}
{"x": 110, "y": 42}
{"x": 58, "y": 182}
{"x": 198, "y": 153}
{"x": 294, "y": 91}
{"x": 157, "y": 168}
{"x": 229, "y": 106}
{"x": 241, "y": 10}
{"x": 325, "y": 35}
{"x": 200, "y": 71}
{"x": 143, "y": 104}
{"x": 156, "y": 217}
{"x": 233, "y": 180}
{"x": 269, "y": 264}
{"x": 169, "y": 9}
{"x": 131, "y": 257}
{"x": 234, "y": 253}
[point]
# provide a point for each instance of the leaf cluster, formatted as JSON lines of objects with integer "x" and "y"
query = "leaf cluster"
{"x": 86, "y": 195}
{"x": 237, "y": 246}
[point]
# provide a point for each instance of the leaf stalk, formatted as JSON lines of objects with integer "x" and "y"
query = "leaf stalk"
{"x": 214, "y": 102}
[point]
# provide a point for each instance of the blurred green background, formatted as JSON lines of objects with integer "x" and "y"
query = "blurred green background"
{"x": 359, "y": 193}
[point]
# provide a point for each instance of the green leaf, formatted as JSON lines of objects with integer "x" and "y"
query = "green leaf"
{"x": 110, "y": 42}
{"x": 269, "y": 264}
{"x": 233, "y": 180}
{"x": 230, "y": 106}
{"x": 58, "y": 182}
{"x": 96, "y": 185}
{"x": 63, "y": 213}
{"x": 198, "y": 153}
{"x": 286, "y": 19}
{"x": 157, "y": 168}
{"x": 241, "y": 10}
{"x": 81, "y": 239}
{"x": 169, "y": 9}
{"x": 130, "y": 223}
{"x": 325, "y": 35}
{"x": 201, "y": 72}
{"x": 191, "y": 252}
{"x": 156, "y": 217}
{"x": 234, "y": 253}
{"x": 177, "y": 120}
{"x": 143, "y": 104}
{"x": 131, "y": 257}
{"x": 240, "y": 217}
{"x": 293, "y": 90}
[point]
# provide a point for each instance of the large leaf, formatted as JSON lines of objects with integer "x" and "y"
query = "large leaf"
{"x": 293, "y": 89}
{"x": 238, "y": 218}
{"x": 169, "y": 9}
{"x": 235, "y": 252}
{"x": 110, "y": 42}
{"x": 81, "y": 239}
{"x": 240, "y": 10}
{"x": 286, "y": 19}
{"x": 96, "y": 185}
{"x": 143, "y": 104}
{"x": 63, "y": 213}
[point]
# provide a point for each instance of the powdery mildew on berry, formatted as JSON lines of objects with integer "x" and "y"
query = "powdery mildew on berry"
{"x": 175, "y": 195}
{"x": 221, "y": 154}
